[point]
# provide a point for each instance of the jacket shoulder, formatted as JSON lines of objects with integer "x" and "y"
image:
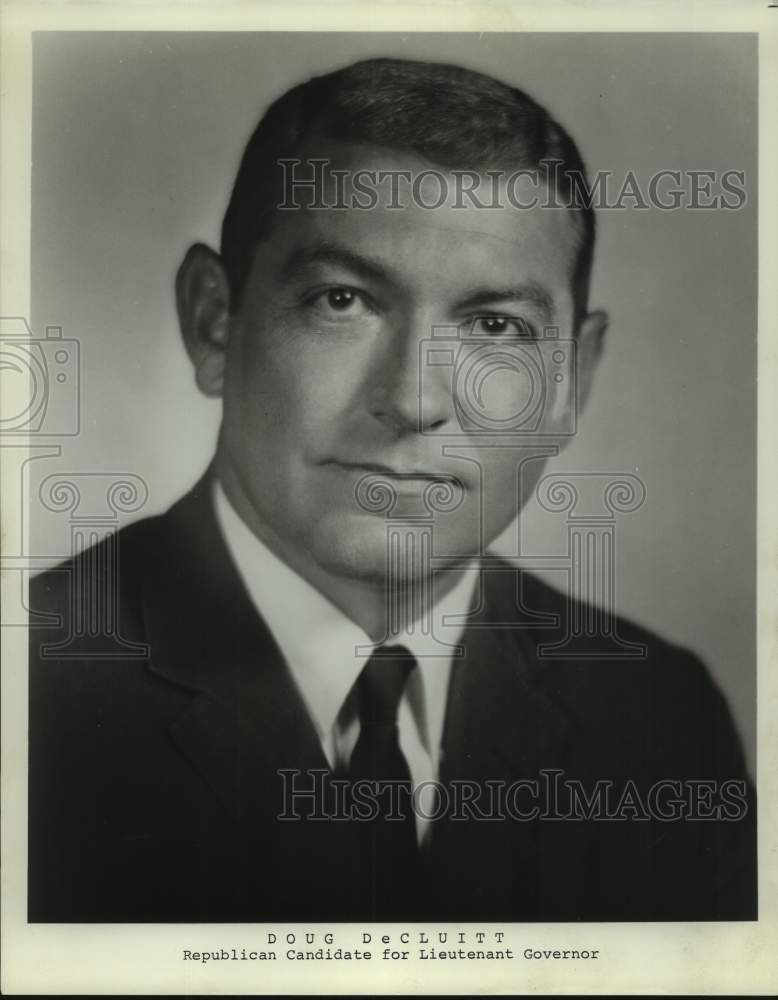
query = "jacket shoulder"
{"x": 537, "y": 606}
{"x": 118, "y": 557}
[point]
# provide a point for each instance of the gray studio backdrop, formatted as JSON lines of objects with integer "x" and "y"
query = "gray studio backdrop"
{"x": 136, "y": 139}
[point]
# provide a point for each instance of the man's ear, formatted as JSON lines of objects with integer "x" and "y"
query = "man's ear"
{"x": 203, "y": 304}
{"x": 591, "y": 338}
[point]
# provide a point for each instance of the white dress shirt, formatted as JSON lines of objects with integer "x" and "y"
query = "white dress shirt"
{"x": 326, "y": 651}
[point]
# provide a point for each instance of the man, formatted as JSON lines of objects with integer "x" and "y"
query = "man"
{"x": 344, "y": 710}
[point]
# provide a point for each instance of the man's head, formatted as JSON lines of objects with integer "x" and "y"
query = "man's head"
{"x": 316, "y": 325}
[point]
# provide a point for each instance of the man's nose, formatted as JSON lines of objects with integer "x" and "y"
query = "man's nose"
{"x": 408, "y": 393}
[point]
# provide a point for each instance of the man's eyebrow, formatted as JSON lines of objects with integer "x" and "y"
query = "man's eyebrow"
{"x": 331, "y": 253}
{"x": 530, "y": 292}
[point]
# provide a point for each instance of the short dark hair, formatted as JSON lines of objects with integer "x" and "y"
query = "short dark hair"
{"x": 454, "y": 117}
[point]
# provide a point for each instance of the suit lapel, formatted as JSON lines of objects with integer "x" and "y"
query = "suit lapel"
{"x": 246, "y": 719}
{"x": 500, "y": 715}
{"x": 502, "y": 725}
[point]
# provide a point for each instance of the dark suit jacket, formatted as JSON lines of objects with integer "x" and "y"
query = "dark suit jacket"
{"x": 153, "y": 778}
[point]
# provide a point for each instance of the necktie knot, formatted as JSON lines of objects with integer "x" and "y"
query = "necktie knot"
{"x": 381, "y": 684}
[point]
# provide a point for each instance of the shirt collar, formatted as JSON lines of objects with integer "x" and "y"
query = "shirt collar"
{"x": 324, "y": 649}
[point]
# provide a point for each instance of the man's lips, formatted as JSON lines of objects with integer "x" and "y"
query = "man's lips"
{"x": 401, "y": 474}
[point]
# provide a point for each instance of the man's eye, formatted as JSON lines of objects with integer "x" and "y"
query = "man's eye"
{"x": 501, "y": 326}
{"x": 341, "y": 300}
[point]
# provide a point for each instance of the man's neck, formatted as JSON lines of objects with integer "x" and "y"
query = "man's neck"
{"x": 365, "y": 602}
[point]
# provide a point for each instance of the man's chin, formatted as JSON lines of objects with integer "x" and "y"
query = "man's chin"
{"x": 368, "y": 549}
{"x": 354, "y": 552}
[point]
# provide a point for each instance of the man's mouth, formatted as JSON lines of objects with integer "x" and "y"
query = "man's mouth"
{"x": 401, "y": 474}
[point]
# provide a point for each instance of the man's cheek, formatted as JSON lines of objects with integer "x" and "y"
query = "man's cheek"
{"x": 319, "y": 407}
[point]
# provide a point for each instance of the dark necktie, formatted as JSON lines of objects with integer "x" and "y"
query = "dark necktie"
{"x": 390, "y": 855}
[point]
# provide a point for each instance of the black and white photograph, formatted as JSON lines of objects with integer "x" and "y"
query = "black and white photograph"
{"x": 384, "y": 441}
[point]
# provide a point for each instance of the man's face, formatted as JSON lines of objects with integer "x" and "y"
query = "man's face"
{"x": 329, "y": 379}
